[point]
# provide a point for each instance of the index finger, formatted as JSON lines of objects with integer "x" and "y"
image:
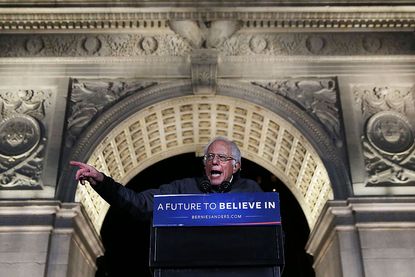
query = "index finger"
{"x": 75, "y": 163}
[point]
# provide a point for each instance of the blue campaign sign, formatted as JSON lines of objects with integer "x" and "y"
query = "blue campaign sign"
{"x": 259, "y": 208}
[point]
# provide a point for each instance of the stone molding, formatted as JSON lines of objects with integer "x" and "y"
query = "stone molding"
{"x": 64, "y": 19}
{"x": 190, "y": 3}
{"x": 368, "y": 212}
{"x": 344, "y": 220}
{"x": 53, "y": 216}
{"x": 47, "y": 238}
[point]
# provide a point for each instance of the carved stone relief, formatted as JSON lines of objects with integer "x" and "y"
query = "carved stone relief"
{"x": 204, "y": 71}
{"x": 202, "y": 34}
{"x": 318, "y": 97}
{"x": 317, "y": 43}
{"x": 221, "y": 35}
{"x": 258, "y": 44}
{"x": 90, "y": 98}
{"x": 388, "y": 136}
{"x": 91, "y": 45}
{"x": 61, "y": 45}
{"x": 22, "y": 137}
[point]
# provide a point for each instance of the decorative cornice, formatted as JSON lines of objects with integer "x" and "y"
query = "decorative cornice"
{"x": 193, "y": 3}
{"x": 134, "y": 18}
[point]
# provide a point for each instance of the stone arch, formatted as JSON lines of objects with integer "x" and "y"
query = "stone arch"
{"x": 169, "y": 119}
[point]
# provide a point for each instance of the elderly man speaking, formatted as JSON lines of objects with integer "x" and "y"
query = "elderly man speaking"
{"x": 222, "y": 163}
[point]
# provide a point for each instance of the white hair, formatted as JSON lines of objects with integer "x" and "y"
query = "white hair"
{"x": 236, "y": 153}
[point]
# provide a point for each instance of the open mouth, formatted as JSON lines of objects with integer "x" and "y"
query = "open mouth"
{"x": 215, "y": 173}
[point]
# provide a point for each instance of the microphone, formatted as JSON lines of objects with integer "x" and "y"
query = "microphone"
{"x": 205, "y": 186}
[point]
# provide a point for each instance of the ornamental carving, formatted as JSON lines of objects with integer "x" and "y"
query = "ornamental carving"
{"x": 221, "y": 35}
{"x": 119, "y": 44}
{"x": 61, "y": 47}
{"x": 92, "y": 45}
{"x": 203, "y": 34}
{"x": 204, "y": 71}
{"x": 21, "y": 155}
{"x": 315, "y": 44}
{"x": 22, "y": 139}
{"x": 390, "y": 132}
{"x": 34, "y": 45}
{"x": 371, "y": 44}
{"x": 389, "y": 149}
{"x": 19, "y": 134}
{"x": 388, "y": 137}
{"x": 90, "y": 98}
{"x": 82, "y": 45}
{"x": 148, "y": 45}
{"x": 327, "y": 44}
{"x": 371, "y": 100}
{"x": 258, "y": 44}
{"x": 24, "y": 101}
{"x": 318, "y": 97}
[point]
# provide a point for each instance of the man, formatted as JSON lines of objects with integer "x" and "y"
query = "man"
{"x": 222, "y": 163}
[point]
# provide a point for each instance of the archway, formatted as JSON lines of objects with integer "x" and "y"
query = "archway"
{"x": 184, "y": 124}
{"x": 169, "y": 120}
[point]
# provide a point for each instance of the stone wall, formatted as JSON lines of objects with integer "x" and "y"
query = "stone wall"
{"x": 46, "y": 238}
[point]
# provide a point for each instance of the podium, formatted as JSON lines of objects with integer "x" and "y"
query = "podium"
{"x": 216, "y": 251}
{"x": 216, "y": 235}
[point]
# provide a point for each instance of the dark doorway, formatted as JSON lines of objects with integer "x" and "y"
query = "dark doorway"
{"x": 126, "y": 240}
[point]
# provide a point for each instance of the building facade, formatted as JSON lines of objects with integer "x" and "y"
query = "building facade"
{"x": 320, "y": 94}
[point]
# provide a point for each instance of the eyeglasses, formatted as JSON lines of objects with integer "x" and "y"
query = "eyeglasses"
{"x": 221, "y": 157}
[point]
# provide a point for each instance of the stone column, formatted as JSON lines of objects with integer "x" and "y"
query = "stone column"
{"x": 46, "y": 238}
{"x": 369, "y": 237}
